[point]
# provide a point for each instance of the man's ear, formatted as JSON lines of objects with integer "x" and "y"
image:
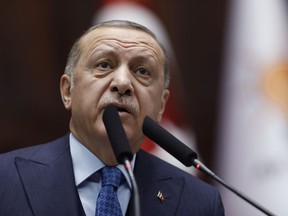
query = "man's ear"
{"x": 65, "y": 89}
{"x": 165, "y": 96}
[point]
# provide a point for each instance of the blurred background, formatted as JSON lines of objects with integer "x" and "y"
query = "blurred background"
{"x": 229, "y": 65}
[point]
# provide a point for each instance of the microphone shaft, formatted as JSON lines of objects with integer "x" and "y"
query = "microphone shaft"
{"x": 135, "y": 195}
{"x": 200, "y": 166}
{"x": 187, "y": 156}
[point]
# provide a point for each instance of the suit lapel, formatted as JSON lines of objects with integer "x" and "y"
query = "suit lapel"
{"x": 48, "y": 180}
{"x": 159, "y": 189}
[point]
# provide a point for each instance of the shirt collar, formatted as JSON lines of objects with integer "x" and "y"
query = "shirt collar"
{"x": 85, "y": 163}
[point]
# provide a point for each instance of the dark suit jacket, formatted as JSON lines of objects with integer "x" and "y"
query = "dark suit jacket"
{"x": 39, "y": 181}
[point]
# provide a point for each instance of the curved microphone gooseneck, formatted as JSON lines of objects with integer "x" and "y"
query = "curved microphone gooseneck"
{"x": 187, "y": 156}
{"x": 121, "y": 148}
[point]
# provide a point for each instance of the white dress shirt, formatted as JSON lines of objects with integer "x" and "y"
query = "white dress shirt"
{"x": 85, "y": 163}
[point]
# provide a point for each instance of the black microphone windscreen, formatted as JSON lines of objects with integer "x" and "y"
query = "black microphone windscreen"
{"x": 168, "y": 142}
{"x": 116, "y": 134}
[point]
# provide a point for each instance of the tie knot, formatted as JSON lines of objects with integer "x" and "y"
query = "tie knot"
{"x": 111, "y": 176}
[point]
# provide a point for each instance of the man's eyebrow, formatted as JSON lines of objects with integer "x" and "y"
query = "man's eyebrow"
{"x": 146, "y": 57}
{"x": 100, "y": 52}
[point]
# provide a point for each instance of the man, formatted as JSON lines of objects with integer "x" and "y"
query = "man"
{"x": 119, "y": 63}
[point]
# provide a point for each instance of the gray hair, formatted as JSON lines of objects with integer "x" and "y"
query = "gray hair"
{"x": 75, "y": 51}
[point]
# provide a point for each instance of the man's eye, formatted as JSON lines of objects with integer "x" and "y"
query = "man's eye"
{"x": 103, "y": 65}
{"x": 142, "y": 71}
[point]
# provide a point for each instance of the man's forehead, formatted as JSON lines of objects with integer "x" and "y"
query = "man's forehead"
{"x": 119, "y": 33}
{"x": 124, "y": 35}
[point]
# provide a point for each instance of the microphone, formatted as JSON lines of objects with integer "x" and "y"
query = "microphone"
{"x": 168, "y": 142}
{"x": 121, "y": 148}
{"x": 187, "y": 156}
{"x": 116, "y": 134}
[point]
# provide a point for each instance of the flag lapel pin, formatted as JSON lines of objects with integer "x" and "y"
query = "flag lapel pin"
{"x": 160, "y": 196}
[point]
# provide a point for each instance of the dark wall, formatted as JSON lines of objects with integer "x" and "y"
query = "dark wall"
{"x": 36, "y": 37}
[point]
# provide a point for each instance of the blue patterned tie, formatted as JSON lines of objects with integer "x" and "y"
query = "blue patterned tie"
{"x": 107, "y": 201}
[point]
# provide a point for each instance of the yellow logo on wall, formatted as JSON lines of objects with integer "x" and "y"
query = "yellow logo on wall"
{"x": 276, "y": 84}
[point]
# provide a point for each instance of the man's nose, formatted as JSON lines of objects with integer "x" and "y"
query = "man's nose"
{"x": 122, "y": 81}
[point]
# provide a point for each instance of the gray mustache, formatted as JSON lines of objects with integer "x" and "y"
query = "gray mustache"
{"x": 122, "y": 100}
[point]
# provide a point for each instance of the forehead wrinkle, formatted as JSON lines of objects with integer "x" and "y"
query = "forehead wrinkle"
{"x": 148, "y": 44}
{"x": 141, "y": 45}
{"x": 110, "y": 49}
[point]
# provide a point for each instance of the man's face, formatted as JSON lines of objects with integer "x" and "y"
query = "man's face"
{"x": 117, "y": 66}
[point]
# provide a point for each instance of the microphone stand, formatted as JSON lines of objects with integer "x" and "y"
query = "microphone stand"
{"x": 200, "y": 166}
{"x": 135, "y": 194}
